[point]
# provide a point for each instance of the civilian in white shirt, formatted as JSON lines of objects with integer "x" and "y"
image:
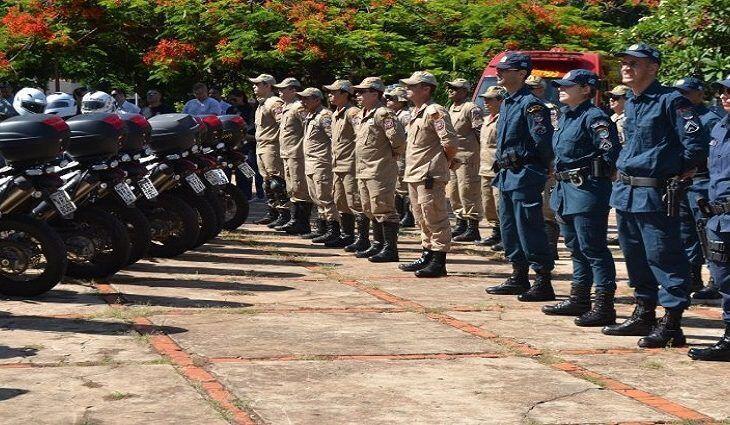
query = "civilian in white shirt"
{"x": 216, "y": 94}
{"x": 202, "y": 104}
{"x": 123, "y": 106}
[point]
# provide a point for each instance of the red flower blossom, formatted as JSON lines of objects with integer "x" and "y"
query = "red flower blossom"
{"x": 284, "y": 43}
{"x": 580, "y": 31}
{"x": 512, "y": 45}
{"x": 4, "y": 62}
{"x": 169, "y": 52}
{"x": 24, "y": 24}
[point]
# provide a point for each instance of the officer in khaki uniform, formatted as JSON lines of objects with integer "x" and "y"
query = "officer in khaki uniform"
{"x": 347, "y": 197}
{"x": 463, "y": 188}
{"x": 379, "y": 142}
{"x": 432, "y": 145}
{"x": 493, "y": 98}
{"x": 291, "y": 134}
{"x": 318, "y": 163}
{"x": 268, "y": 157}
{"x": 397, "y": 101}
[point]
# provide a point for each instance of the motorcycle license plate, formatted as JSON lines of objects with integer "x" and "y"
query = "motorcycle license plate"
{"x": 148, "y": 189}
{"x": 216, "y": 177}
{"x": 246, "y": 170}
{"x": 63, "y": 202}
{"x": 125, "y": 192}
{"x": 195, "y": 183}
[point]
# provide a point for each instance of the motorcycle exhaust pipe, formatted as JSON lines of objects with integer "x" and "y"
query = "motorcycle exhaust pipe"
{"x": 15, "y": 198}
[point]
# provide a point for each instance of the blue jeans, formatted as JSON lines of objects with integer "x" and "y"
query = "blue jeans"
{"x": 585, "y": 237}
{"x": 655, "y": 260}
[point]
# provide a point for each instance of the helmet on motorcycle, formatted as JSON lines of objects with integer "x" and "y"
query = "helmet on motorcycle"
{"x": 29, "y": 101}
{"x": 6, "y": 110}
{"x": 61, "y": 104}
{"x": 97, "y": 101}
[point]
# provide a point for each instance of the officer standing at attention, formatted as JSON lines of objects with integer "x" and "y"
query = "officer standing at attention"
{"x": 524, "y": 153}
{"x": 271, "y": 167}
{"x": 291, "y": 134}
{"x": 318, "y": 163}
{"x": 586, "y": 146}
{"x": 397, "y": 101}
{"x": 493, "y": 98}
{"x": 693, "y": 89}
{"x": 432, "y": 145}
{"x": 347, "y": 196}
{"x": 617, "y": 103}
{"x": 463, "y": 188}
{"x": 379, "y": 142}
{"x": 718, "y": 225}
{"x": 665, "y": 142}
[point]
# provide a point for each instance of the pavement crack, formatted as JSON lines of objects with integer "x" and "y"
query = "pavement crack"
{"x": 560, "y": 397}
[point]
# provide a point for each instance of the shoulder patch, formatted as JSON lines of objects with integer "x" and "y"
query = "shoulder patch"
{"x": 535, "y": 109}
{"x": 691, "y": 126}
{"x": 388, "y": 123}
{"x": 686, "y": 113}
{"x": 326, "y": 121}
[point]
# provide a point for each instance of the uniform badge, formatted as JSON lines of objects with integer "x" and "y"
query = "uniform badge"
{"x": 476, "y": 114}
{"x": 326, "y": 122}
{"x": 605, "y": 145}
{"x": 603, "y": 133}
{"x": 686, "y": 113}
{"x": 278, "y": 110}
{"x": 439, "y": 125}
{"x": 540, "y": 130}
{"x": 534, "y": 109}
{"x": 388, "y": 123}
{"x": 537, "y": 118}
{"x": 691, "y": 127}
{"x": 713, "y": 142}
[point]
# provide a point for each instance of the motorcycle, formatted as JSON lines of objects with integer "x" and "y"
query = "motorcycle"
{"x": 229, "y": 156}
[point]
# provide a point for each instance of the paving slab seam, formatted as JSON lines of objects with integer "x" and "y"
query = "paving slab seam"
{"x": 653, "y": 401}
{"x": 362, "y": 357}
{"x": 167, "y": 347}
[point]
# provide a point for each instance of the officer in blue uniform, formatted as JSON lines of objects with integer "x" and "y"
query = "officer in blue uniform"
{"x": 522, "y": 158}
{"x": 585, "y": 144}
{"x": 691, "y": 218}
{"x": 664, "y": 145}
{"x": 718, "y": 225}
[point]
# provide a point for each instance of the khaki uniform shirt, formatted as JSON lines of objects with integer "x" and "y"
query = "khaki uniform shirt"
{"x": 268, "y": 115}
{"x": 619, "y": 121}
{"x": 318, "y": 140}
{"x": 467, "y": 120}
{"x": 380, "y": 140}
{"x": 291, "y": 130}
{"x": 429, "y": 132}
{"x": 488, "y": 146}
{"x": 345, "y": 121}
{"x": 404, "y": 116}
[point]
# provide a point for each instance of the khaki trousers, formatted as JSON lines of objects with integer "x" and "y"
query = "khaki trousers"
{"x": 378, "y": 200}
{"x": 430, "y": 211}
{"x": 347, "y": 193}
{"x": 319, "y": 184}
{"x": 270, "y": 163}
{"x": 464, "y": 190}
{"x": 296, "y": 180}
{"x": 490, "y": 200}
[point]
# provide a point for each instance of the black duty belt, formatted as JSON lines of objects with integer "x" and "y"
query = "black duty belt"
{"x": 640, "y": 181}
{"x": 514, "y": 163}
{"x": 575, "y": 176}
{"x": 710, "y": 209}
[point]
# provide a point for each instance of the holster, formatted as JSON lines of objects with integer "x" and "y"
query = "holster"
{"x": 675, "y": 191}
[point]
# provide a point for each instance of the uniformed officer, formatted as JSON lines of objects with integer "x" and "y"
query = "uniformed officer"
{"x": 271, "y": 167}
{"x": 586, "y": 146}
{"x": 347, "y": 196}
{"x": 397, "y": 101}
{"x": 318, "y": 162}
{"x": 291, "y": 134}
{"x": 379, "y": 142}
{"x": 665, "y": 142}
{"x": 524, "y": 153}
{"x": 493, "y": 98}
{"x": 463, "y": 188}
{"x": 539, "y": 88}
{"x": 693, "y": 89}
{"x": 718, "y": 225}
{"x": 617, "y": 103}
{"x": 432, "y": 145}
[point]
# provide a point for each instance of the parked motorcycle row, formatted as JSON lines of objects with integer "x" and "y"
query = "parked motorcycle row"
{"x": 90, "y": 195}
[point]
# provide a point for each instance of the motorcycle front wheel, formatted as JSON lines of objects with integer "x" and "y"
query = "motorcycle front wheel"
{"x": 235, "y": 206}
{"x": 174, "y": 225}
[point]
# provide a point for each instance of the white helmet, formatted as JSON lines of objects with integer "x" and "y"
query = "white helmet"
{"x": 97, "y": 101}
{"x": 29, "y": 101}
{"x": 61, "y": 104}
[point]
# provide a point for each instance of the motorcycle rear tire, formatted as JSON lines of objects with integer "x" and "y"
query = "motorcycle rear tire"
{"x": 162, "y": 210}
{"x": 207, "y": 218}
{"x": 138, "y": 229}
{"x": 235, "y": 206}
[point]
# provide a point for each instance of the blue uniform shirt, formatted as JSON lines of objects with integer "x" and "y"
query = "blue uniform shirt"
{"x": 663, "y": 138}
{"x": 209, "y": 106}
{"x": 524, "y": 129}
{"x": 582, "y": 134}
{"x": 719, "y": 165}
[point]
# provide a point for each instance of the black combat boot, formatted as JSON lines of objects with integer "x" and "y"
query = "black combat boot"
{"x": 347, "y": 235}
{"x": 541, "y": 290}
{"x": 399, "y": 205}
{"x": 640, "y": 323}
{"x": 720, "y": 352}
{"x": 320, "y": 228}
{"x": 282, "y": 220}
{"x": 578, "y": 303}
{"x": 362, "y": 242}
{"x": 292, "y": 219}
{"x": 419, "y": 263}
{"x": 695, "y": 273}
{"x": 498, "y": 247}
{"x": 471, "y": 233}
{"x": 668, "y": 331}
{"x": 299, "y": 224}
{"x": 389, "y": 252}
{"x": 332, "y": 234}
{"x": 407, "y": 219}
{"x": 553, "y": 233}
{"x": 603, "y": 312}
{"x": 494, "y": 238}
{"x": 271, "y": 215}
{"x": 436, "y": 267}
{"x": 709, "y": 292}
{"x": 377, "y": 244}
{"x": 459, "y": 228}
{"x": 515, "y": 284}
